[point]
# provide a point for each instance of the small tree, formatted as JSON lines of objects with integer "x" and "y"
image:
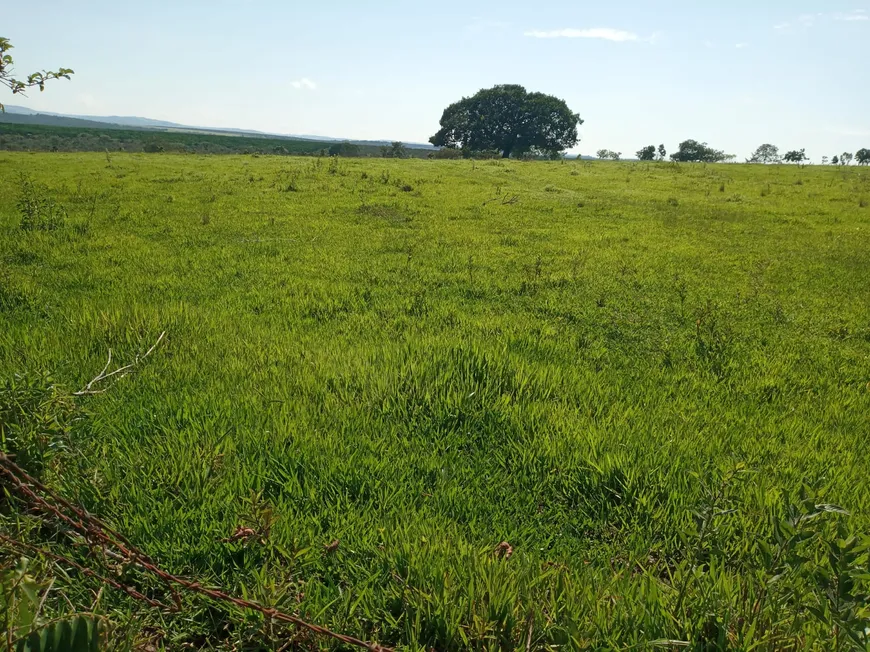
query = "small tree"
{"x": 691, "y": 151}
{"x": 845, "y": 158}
{"x": 34, "y": 80}
{"x": 824, "y": 160}
{"x": 796, "y": 156}
{"x": 648, "y": 153}
{"x": 862, "y": 156}
{"x": 608, "y": 154}
{"x": 395, "y": 150}
{"x": 766, "y": 153}
{"x": 662, "y": 152}
{"x": 344, "y": 149}
{"x": 835, "y": 160}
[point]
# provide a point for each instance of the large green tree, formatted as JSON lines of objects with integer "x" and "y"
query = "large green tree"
{"x": 862, "y": 156}
{"x": 33, "y": 80}
{"x": 509, "y": 119}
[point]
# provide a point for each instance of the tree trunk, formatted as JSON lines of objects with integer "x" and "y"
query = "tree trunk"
{"x": 506, "y": 153}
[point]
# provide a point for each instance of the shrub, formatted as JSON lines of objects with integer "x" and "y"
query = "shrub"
{"x": 38, "y": 210}
{"x": 449, "y": 153}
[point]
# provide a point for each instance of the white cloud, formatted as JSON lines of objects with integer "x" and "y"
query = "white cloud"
{"x": 858, "y": 14}
{"x": 740, "y": 46}
{"x": 606, "y": 33}
{"x": 305, "y": 83}
{"x": 782, "y": 26}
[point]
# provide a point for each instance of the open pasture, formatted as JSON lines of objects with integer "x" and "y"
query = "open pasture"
{"x": 651, "y": 380}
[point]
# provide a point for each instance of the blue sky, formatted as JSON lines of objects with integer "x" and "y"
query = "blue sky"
{"x": 733, "y": 73}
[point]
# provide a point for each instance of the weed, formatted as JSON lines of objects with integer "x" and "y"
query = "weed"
{"x": 37, "y": 208}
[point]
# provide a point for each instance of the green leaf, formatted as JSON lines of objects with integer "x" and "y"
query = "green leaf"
{"x": 79, "y": 634}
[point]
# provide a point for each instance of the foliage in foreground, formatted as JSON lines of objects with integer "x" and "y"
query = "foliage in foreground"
{"x": 33, "y": 80}
{"x": 650, "y": 380}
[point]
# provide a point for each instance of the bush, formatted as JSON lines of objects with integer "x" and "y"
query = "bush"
{"x": 345, "y": 149}
{"x": 448, "y": 153}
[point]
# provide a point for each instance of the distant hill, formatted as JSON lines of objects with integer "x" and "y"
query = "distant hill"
{"x": 54, "y": 121}
{"x": 23, "y": 115}
{"x": 126, "y": 121}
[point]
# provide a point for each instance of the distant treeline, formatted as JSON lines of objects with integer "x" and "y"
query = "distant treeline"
{"x": 44, "y": 138}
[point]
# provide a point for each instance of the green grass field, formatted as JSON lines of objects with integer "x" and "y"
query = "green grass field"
{"x": 651, "y": 380}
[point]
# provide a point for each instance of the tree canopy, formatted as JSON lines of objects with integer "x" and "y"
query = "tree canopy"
{"x": 796, "y": 156}
{"x": 647, "y": 153}
{"x": 691, "y": 151}
{"x": 766, "y": 153}
{"x": 608, "y": 154}
{"x": 509, "y": 119}
{"x": 862, "y": 156}
{"x": 396, "y": 149}
{"x": 344, "y": 148}
{"x": 33, "y": 80}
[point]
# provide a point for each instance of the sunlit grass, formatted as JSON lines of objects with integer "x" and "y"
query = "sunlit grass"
{"x": 422, "y": 359}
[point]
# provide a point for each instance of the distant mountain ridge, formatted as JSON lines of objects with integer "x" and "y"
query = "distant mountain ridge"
{"x": 87, "y": 121}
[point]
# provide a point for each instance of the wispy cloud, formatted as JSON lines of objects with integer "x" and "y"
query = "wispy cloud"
{"x": 740, "y": 46}
{"x": 606, "y": 33}
{"x": 304, "y": 83}
{"x": 858, "y": 14}
{"x": 806, "y": 21}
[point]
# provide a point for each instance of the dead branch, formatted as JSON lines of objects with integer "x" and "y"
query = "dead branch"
{"x": 118, "y": 373}
{"x": 99, "y": 535}
{"x": 504, "y": 201}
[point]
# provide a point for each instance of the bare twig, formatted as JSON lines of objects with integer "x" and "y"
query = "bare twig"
{"x": 505, "y": 201}
{"x": 27, "y": 548}
{"x": 120, "y": 372}
{"x": 99, "y": 534}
